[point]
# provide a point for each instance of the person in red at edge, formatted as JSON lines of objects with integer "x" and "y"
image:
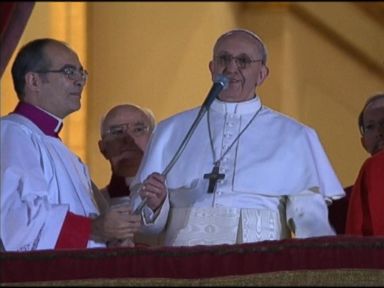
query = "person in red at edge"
{"x": 47, "y": 200}
{"x": 366, "y": 205}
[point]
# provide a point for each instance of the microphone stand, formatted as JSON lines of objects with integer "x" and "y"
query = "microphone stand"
{"x": 215, "y": 90}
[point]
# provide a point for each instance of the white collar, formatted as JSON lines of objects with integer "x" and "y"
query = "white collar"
{"x": 240, "y": 108}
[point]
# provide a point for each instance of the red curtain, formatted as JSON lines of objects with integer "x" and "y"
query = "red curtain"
{"x": 13, "y": 19}
{"x": 328, "y": 253}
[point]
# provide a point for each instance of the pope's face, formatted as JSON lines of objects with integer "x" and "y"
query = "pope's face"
{"x": 238, "y": 57}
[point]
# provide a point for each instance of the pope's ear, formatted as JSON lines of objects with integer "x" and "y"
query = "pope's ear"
{"x": 210, "y": 66}
{"x": 263, "y": 74}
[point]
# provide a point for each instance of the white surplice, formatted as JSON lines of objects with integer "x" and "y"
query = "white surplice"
{"x": 41, "y": 180}
{"x": 277, "y": 178}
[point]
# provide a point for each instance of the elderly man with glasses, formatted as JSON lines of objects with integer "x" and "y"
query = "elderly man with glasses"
{"x": 125, "y": 131}
{"x": 47, "y": 196}
{"x": 246, "y": 174}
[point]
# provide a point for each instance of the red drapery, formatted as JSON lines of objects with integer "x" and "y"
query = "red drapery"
{"x": 13, "y": 19}
{"x": 200, "y": 262}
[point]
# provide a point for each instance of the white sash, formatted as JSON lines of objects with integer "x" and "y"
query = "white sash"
{"x": 214, "y": 226}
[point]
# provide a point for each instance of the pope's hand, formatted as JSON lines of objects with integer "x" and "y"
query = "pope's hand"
{"x": 154, "y": 190}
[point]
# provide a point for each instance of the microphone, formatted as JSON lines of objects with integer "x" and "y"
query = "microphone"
{"x": 220, "y": 82}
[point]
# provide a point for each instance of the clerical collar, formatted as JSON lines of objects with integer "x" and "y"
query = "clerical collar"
{"x": 240, "y": 108}
{"x": 118, "y": 187}
{"x": 47, "y": 122}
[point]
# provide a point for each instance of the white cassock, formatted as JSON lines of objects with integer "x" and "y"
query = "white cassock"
{"x": 277, "y": 178}
{"x": 41, "y": 180}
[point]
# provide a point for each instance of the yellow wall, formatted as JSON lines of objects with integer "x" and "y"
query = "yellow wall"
{"x": 322, "y": 62}
{"x": 152, "y": 54}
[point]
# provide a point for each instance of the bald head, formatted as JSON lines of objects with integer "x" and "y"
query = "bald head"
{"x": 127, "y": 113}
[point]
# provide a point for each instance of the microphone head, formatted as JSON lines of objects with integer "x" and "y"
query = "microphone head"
{"x": 222, "y": 80}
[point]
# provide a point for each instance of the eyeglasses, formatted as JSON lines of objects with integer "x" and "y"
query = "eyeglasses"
{"x": 242, "y": 61}
{"x": 70, "y": 72}
{"x": 136, "y": 130}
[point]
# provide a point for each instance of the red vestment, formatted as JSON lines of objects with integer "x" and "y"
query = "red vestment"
{"x": 366, "y": 205}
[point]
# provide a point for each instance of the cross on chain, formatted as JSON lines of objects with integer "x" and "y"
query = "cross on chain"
{"x": 213, "y": 177}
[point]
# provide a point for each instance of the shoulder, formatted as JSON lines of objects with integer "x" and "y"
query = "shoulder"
{"x": 287, "y": 123}
{"x": 16, "y": 129}
{"x": 14, "y": 123}
{"x": 370, "y": 175}
{"x": 375, "y": 161}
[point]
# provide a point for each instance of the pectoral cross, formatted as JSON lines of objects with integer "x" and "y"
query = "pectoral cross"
{"x": 213, "y": 177}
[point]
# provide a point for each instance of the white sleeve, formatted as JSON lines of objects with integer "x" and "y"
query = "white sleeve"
{"x": 155, "y": 223}
{"x": 307, "y": 215}
{"x": 28, "y": 220}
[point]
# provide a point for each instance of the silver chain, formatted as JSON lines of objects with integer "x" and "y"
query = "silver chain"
{"x": 216, "y": 162}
